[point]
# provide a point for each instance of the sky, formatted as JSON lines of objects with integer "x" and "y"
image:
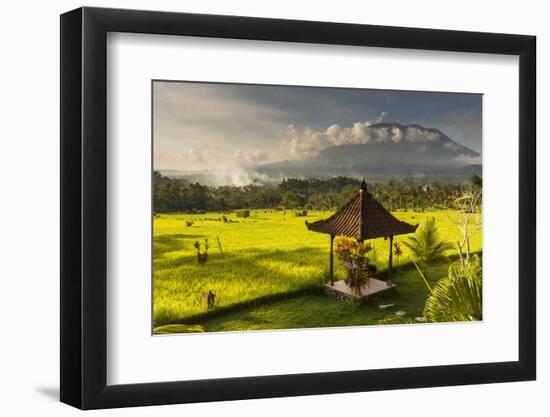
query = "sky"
{"x": 206, "y": 126}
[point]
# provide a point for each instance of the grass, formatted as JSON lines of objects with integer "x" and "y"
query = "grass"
{"x": 268, "y": 273}
{"x": 318, "y": 310}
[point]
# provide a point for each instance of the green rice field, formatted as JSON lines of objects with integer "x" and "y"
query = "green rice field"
{"x": 268, "y": 271}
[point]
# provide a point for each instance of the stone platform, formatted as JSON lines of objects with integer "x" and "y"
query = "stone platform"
{"x": 342, "y": 291}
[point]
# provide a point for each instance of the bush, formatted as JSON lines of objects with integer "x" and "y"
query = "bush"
{"x": 425, "y": 246}
{"x": 189, "y": 223}
{"x": 202, "y": 256}
{"x": 210, "y": 300}
{"x": 353, "y": 256}
{"x": 243, "y": 213}
{"x": 300, "y": 213}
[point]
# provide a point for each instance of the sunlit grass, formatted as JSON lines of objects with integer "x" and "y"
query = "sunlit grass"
{"x": 320, "y": 310}
{"x": 267, "y": 254}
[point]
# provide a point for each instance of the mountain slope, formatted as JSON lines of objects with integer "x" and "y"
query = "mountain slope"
{"x": 389, "y": 149}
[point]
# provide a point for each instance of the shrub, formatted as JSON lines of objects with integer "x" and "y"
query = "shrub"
{"x": 189, "y": 223}
{"x": 202, "y": 255}
{"x": 243, "y": 213}
{"x": 353, "y": 256}
{"x": 397, "y": 250}
{"x": 425, "y": 246}
{"x": 458, "y": 297}
{"x": 210, "y": 300}
{"x": 300, "y": 213}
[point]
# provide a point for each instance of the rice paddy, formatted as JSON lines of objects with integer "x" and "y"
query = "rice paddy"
{"x": 267, "y": 271}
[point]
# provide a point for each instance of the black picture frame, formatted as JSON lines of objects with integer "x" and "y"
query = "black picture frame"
{"x": 84, "y": 207}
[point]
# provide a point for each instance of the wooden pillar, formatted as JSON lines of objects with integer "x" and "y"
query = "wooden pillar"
{"x": 331, "y": 264}
{"x": 390, "y": 271}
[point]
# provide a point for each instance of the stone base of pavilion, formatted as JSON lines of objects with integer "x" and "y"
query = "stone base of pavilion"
{"x": 342, "y": 291}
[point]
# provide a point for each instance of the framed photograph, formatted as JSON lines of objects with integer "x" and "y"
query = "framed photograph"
{"x": 258, "y": 208}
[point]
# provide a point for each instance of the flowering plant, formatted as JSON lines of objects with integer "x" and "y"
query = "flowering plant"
{"x": 353, "y": 256}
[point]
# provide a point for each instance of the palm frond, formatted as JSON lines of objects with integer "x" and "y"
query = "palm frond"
{"x": 425, "y": 246}
{"x": 423, "y": 277}
{"x": 458, "y": 297}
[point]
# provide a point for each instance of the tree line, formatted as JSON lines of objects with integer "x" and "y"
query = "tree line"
{"x": 177, "y": 195}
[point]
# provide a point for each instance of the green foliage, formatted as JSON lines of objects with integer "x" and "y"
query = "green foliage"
{"x": 242, "y": 213}
{"x": 397, "y": 251}
{"x": 476, "y": 181}
{"x": 354, "y": 258}
{"x": 324, "y": 276}
{"x": 458, "y": 297}
{"x": 271, "y": 254}
{"x": 210, "y": 300}
{"x": 311, "y": 311}
{"x": 393, "y": 319}
{"x": 178, "y": 328}
{"x": 292, "y": 200}
{"x": 425, "y": 245}
{"x": 197, "y": 245}
{"x": 202, "y": 251}
{"x": 423, "y": 276}
{"x": 172, "y": 195}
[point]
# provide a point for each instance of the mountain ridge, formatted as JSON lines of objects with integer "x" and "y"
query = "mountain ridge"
{"x": 393, "y": 149}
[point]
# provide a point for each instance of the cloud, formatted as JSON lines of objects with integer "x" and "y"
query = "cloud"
{"x": 301, "y": 143}
{"x": 249, "y": 157}
{"x": 193, "y": 155}
{"x": 416, "y": 134}
{"x": 396, "y": 134}
{"x": 226, "y": 165}
{"x": 238, "y": 176}
{"x": 450, "y": 145}
{"x": 468, "y": 160}
{"x": 212, "y": 113}
{"x": 223, "y": 157}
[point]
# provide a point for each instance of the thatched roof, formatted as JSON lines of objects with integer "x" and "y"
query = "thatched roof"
{"x": 362, "y": 218}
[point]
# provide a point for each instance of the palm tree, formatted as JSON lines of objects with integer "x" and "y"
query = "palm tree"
{"x": 425, "y": 246}
{"x": 397, "y": 251}
{"x": 457, "y": 297}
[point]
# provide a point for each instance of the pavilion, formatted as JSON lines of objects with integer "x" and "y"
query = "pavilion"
{"x": 361, "y": 218}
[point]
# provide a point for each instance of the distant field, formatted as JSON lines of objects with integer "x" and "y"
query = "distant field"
{"x": 263, "y": 257}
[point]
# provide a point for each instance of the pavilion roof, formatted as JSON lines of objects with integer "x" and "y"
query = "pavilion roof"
{"x": 362, "y": 218}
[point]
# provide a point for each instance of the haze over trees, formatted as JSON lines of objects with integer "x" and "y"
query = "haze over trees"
{"x": 172, "y": 195}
